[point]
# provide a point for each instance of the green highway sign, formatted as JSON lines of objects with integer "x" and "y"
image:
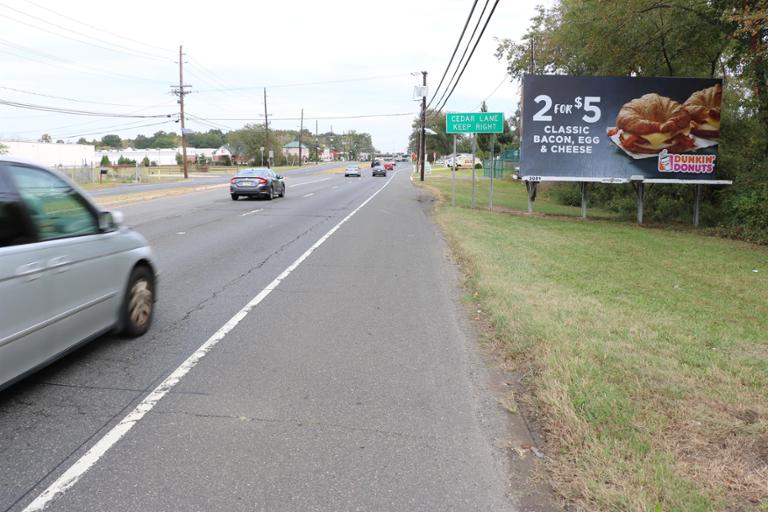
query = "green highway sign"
{"x": 474, "y": 122}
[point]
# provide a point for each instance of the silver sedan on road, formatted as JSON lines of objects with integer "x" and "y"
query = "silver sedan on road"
{"x": 68, "y": 271}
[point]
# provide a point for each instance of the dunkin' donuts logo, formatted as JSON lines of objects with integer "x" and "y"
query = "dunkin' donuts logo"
{"x": 696, "y": 164}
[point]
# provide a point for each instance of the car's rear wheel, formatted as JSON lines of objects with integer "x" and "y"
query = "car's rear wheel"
{"x": 139, "y": 302}
{"x": 234, "y": 197}
{"x": 282, "y": 192}
{"x": 271, "y": 194}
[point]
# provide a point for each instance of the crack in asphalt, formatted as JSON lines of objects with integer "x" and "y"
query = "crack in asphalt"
{"x": 292, "y": 421}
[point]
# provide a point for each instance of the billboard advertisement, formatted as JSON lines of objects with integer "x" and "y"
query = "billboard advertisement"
{"x": 603, "y": 128}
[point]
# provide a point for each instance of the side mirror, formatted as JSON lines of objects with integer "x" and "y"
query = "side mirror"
{"x": 278, "y": 176}
{"x": 110, "y": 221}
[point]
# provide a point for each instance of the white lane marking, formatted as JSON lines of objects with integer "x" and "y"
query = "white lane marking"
{"x": 308, "y": 195}
{"x": 181, "y": 233}
{"x": 75, "y": 472}
{"x": 251, "y": 212}
{"x": 308, "y": 182}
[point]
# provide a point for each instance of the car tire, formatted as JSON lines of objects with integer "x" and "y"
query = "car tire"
{"x": 234, "y": 196}
{"x": 282, "y": 192}
{"x": 271, "y": 194}
{"x": 138, "y": 305}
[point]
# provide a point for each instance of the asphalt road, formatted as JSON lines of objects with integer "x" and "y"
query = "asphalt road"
{"x": 352, "y": 384}
{"x": 197, "y": 180}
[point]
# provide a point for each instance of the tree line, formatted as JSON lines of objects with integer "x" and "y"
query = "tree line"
{"x": 246, "y": 142}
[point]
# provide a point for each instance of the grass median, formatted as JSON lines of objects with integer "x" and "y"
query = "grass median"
{"x": 647, "y": 350}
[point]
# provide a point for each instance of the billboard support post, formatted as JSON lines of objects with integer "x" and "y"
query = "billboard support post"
{"x": 474, "y": 185}
{"x": 493, "y": 171}
{"x": 531, "y": 188}
{"x": 640, "y": 191}
{"x": 583, "y": 199}
{"x": 453, "y": 174}
{"x": 696, "y": 204}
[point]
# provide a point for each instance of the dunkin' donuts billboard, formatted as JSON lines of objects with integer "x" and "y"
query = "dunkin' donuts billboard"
{"x": 620, "y": 127}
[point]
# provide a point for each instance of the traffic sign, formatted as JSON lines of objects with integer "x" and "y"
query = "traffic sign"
{"x": 474, "y": 122}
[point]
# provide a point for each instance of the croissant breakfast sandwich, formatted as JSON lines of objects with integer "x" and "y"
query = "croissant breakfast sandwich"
{"x": 704, "y": 109}
{"x": 652, "y": 123}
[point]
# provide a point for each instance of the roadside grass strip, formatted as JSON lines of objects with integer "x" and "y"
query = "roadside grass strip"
{"x": 646, "y": 350}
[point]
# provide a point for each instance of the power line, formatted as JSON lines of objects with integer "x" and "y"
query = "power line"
{"x": 503, "y": 81}
{"x": 131, "y": 126}
{"x": 122, "y": 49}
{"x": 54, "y": 60}
{"x": 464, "y": 53}
{"x": 487, "y": 20}
{"x": 59, "y": 110}
{"x": 458, "y": 43}
{"x": 92, "y": 27}
{"x": 304, "y": 84}
{"x": 310, "y": 118}
{"x": 69, "y": 99}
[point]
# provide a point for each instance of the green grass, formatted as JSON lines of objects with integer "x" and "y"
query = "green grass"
{"x": 508, "y": 195}
{"x": 650, "y": 351}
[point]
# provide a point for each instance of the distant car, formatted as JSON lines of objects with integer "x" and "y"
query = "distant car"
{"x": 379, "y": 170}
{"x": 258, "y": 181}
{"x": 389, "y": 166}
{"x": 375, "y": 163}
{"x": 69, "y": 272}
{"x": 353, "y": 170}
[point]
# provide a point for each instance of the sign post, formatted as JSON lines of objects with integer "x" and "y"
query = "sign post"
{"x": 453, "y": 174}
{"x": 473, "y": 122}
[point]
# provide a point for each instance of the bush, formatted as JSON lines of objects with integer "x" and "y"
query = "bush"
{"x": 105, "y": 161}
{"x": 478, "y": 165}
{"x": 145, "y": 162}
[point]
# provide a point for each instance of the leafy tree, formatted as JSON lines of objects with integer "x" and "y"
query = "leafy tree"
{"x": 46, "y": 138}
{"x": 112, "y": 141}
{"x": 105, "y": 161}
{"x": 82, "y": 140}
{"x": 441, "y": 142}
{"x": 145, "y": 162}
{"x": 210, "y": 139}
{"x": 125, "y": 161}
{"x": 3, "y": 149}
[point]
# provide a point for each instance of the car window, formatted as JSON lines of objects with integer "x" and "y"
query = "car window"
{"x": 56, "y": 208}
{"x": 14, "y": 226}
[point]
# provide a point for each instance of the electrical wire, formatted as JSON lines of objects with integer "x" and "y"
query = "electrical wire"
{"x": 487, "y": 20}
{"x": 69, "y": 99}
{"x": 464, "y": 53}
{"x": 49, "y": 59}
{"x": 307, "y": 118}
{"x": 117, "y": 48}
{"x": 58, "y": 110}
{"x": 92, "y": 27}
{"x": 131, "y": 126}
{"x": 503, "y": 81}
{"x": 304, "y": 84}
{"x": 458, "y": 43}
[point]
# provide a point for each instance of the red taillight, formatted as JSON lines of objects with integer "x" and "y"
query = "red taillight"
{"x": 262, "y": 181}
{"x": 232, "y": 180}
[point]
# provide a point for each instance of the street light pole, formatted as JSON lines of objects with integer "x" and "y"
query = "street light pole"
{"x": 423, "y": 142}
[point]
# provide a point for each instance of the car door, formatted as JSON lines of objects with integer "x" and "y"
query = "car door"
{"x": 80, "y": 260}
{"x": 25, "y": 330}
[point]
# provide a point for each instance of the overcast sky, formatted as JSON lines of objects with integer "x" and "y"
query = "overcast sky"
{"x": 123, "y": 59}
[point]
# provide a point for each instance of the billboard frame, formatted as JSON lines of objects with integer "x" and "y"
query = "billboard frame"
{"x": 638, "y": 182}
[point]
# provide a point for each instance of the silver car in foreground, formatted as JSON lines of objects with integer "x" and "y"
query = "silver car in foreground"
{"x": 68, "y": 271}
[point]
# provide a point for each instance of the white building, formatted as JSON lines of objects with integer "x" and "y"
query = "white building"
{"x": 165, "y": 156}
{"x": 52, "y": 155}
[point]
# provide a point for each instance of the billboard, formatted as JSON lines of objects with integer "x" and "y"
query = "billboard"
{"x": 604, "y": 128}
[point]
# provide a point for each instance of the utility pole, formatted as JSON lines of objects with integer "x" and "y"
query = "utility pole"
{"x": 266, "y": 124}
{"x": 181, "y": 91}
{"x": 301, "y": 129}
{"x": 317, "y": 147}
{"x": 423, "y": 141}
